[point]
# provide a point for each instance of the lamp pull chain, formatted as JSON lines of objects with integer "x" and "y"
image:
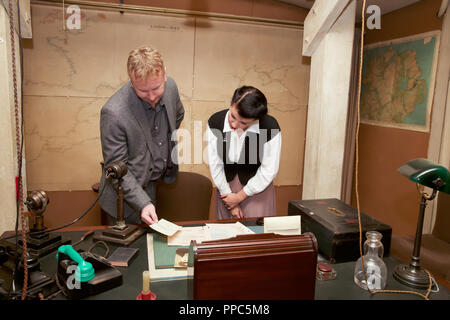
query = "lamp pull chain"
{"x": 424, "y": 194}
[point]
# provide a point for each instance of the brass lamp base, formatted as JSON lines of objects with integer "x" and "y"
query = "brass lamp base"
{"x": 412, "y": 276}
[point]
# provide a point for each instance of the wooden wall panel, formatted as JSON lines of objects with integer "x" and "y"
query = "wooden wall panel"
{"x": 384, "y": 193}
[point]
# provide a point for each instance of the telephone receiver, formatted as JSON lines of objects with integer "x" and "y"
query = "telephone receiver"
{"x": 93, "y": 274}
{"x": 85, "y": 271}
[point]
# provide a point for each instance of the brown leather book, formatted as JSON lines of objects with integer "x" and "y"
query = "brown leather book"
{"x": 123, "y": 256}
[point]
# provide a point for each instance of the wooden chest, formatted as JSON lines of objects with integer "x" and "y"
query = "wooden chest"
{"x": 256, "y": 267}
{"x": 335, "y": 225}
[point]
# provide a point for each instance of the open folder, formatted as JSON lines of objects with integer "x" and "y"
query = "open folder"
{"x": 287, "y": 225}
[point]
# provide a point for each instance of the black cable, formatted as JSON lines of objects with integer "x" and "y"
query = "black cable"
{"x": 20, "y": 151}
{"x": 66, "y": 225}
{"x": 16, "y": 248}
{"x": 77, "y": 219}
{"x": 96, "y": 244}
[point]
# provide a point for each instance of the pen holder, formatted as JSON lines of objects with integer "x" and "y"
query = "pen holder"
{"x": 146, "y": 296}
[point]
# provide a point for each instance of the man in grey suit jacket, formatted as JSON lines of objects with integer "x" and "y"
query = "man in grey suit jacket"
{"x": 136, "y": 126}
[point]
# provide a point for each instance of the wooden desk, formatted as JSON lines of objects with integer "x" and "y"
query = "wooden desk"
{"x": 342, "y": 288}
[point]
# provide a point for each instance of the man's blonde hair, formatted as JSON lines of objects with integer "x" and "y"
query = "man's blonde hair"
{"x": 144, "y": 62}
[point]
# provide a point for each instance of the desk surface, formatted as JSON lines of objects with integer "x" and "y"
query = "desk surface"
{"x": 341, "y": 288}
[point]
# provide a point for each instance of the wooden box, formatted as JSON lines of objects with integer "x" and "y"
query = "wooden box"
{"x": 256, "y": 266}
{"x": 335, "y": 225}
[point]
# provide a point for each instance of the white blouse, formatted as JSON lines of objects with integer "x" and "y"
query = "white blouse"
{"x": 265, "y": 173}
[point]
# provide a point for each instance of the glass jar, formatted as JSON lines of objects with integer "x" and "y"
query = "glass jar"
{"x": 376, "y": 271}
{"x": 325, "y": 272}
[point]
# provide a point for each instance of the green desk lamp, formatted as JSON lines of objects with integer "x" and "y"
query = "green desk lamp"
{"x": 436, "y": 177}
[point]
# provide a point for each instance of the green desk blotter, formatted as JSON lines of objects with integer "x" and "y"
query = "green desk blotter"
{"x": 165, "y": 254}
{"x": 256, "y": 229}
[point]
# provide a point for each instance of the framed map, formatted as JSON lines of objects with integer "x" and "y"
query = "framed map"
{"x": 398, "y": 81}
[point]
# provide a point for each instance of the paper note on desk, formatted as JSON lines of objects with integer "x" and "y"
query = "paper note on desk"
{"x": 187, "y": 234}
{"x": 282, "y": 225}
{"x": 220, "y": 231}
{"x": 165, "y": 227}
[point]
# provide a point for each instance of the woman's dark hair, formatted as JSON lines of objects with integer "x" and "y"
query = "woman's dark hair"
{"x": 250, "y": 102}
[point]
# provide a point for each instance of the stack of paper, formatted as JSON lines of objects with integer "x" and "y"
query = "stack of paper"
{"x": 187, "y": 234}
{"x": 219, "y": 231}
{"x": 287, "y": 225}
{"x": 211, "y": 231}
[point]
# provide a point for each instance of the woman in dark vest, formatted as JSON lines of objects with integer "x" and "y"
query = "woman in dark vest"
{"x": 244, "y": 146}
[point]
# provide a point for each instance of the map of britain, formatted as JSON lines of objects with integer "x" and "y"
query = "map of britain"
{"x": 398, "y": 82}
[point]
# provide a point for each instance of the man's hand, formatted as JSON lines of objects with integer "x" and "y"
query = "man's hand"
{"x": 148, "y": 214}
{"x": 236, "y": 212}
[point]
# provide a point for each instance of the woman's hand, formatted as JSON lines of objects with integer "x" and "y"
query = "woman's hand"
{"x": 231, "y": 200}
{"x": 236, "y": 212}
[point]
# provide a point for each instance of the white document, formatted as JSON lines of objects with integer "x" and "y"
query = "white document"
{"x": 187, "y": 234}
{"x": 286, "y": 225}
{"x": 165, "y": 227}
{"x": 218, "y": 231}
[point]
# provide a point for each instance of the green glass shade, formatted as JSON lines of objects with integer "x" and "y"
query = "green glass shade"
{"x": 427, "y": 173}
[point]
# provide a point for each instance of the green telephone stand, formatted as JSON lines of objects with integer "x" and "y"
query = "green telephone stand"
{"x": 93, "y": 274}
